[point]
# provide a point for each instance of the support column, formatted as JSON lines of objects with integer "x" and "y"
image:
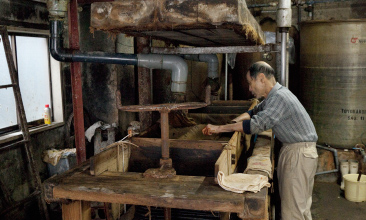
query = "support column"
{"x": 144, "y": 84}
{"x": 76, "y": 84}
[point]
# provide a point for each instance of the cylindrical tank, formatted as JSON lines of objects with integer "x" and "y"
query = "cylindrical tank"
{"x": 333, "y": 79}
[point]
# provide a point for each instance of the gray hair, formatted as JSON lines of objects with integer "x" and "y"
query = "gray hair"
{"x": 261, "y": 67}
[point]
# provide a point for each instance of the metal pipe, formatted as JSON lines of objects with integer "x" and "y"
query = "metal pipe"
{"x": 65, "y": 55}
{"x": 164, "y": 126}
{"x": 176, "y": 64}
{"x": 210, "y": 59}
{"x": 284, "y": 18}
{"x": 335, "y": 153}
{"x": 226, "y": 75}
{"x": 284, "y": 64}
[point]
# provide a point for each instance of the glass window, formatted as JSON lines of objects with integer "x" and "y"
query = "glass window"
{"x": 32, "y": 61}
{"x": 34, "y": 75}
{"x": 8, "y": 114}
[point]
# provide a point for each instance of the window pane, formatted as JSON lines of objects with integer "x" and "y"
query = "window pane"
{"x": 8, "y": 115}
{"x": 33, "y": 71}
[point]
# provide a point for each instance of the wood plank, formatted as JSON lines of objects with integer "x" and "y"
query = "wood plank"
{"x": 229, "y": 157}
{"x": 186, "y": 144}
{"x": 115, "y": 158}
{"x": 106, "y": 160}
{"x": 223, "y": 163}
{"x": 187, "y": 192}
{"x": 76, "y": 210}
{"x": 237, "y": 148}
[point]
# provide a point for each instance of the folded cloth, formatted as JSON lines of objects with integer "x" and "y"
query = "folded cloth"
{"x": 240, "y": 182}
{"x": 260, "y": 163}
{"x": 264, "y": 151}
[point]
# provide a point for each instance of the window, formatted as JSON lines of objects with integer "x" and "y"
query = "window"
{"x": 39, "y": 81}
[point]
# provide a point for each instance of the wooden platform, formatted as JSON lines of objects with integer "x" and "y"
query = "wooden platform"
{"x": 188, "y": 22}
{"x": 184, "y": 192}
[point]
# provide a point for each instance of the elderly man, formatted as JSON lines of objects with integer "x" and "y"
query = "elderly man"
{"x": 282, "y": 112}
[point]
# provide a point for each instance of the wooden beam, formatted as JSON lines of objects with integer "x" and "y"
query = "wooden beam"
{"x": 223, "y": 163}
{"x": 186, "y": 144}
{"x": 230, "y": 155}
{"x": 76, "y": 210}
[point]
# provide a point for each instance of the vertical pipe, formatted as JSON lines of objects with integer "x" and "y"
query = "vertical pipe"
{"x": 230, "y": 81}
{"x": 164, "y": 126}
{"x": 144, "y": 84}
{"x": 167, "y": 214}
{"x": 226, "y": 76}
{"x": 284, "y": 66}
{"x": 76, "y": 84}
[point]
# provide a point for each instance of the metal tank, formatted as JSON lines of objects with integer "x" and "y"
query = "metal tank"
{"x": 333, "y": 74}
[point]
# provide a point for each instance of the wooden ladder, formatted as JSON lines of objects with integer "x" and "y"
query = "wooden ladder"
{"x": 25, "y": 131}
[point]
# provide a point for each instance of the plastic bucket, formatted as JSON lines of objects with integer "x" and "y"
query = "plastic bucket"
{"x": 355, "y": 191}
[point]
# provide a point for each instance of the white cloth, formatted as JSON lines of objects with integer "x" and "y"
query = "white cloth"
{"x": 240, "y": 182}
{"x": 53, "y": 156}
{"x": 89, "y": 133}
{"x": 260, "y": 163}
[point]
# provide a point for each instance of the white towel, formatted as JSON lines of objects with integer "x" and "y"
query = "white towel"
{"x": 240, "y": 182}
{"x": 260, "y": 163}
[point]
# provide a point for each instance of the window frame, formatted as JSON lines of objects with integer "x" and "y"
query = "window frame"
{"x": 55, "y": 82}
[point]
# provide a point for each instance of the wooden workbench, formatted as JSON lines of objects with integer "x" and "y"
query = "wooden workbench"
{"x": 184, "y": 192}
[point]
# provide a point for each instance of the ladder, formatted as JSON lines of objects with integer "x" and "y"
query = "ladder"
{"x": 25, "y": 131}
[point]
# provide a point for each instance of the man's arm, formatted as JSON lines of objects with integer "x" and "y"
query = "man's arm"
{"x": 242, "y": 117}
{"x": 215, "y": 129}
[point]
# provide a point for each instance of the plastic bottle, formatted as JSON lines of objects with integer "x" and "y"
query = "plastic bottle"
{"x": 47, "y": 115}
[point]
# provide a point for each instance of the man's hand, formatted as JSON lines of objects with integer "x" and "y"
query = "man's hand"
{"x": 210, "y": 129}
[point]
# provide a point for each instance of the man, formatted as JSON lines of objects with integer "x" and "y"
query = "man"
{"x": 282, "y": 112}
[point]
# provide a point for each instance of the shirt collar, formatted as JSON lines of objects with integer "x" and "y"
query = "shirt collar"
{"x": 274, "y": 89}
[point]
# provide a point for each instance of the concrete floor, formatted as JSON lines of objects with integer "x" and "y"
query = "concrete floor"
{"x": 329, "y": 203}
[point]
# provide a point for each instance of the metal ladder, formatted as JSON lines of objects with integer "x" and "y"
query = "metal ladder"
{"x": 25, "y": 131}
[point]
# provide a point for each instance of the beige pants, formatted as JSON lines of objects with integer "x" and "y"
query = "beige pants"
{"x": 296, "y": 170}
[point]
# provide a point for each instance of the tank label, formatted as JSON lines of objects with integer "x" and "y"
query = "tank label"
{"x": 354, "y": 111}
{"x": 356, "y": 40}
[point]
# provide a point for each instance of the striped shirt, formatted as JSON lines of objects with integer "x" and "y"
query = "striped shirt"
{"x": 284, "y": 113}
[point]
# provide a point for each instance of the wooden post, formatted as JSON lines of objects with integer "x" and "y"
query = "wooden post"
{"x": 76, "y": 210}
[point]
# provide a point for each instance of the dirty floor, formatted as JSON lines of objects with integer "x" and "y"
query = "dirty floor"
{"x": 329, "y": 203}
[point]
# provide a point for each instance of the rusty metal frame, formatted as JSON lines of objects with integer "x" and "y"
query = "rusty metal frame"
{"x": 212, "y": 50}
{"x": 76, "y": 84}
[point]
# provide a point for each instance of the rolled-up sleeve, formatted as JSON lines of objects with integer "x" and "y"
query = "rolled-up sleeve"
{"x": 246, "y": 126}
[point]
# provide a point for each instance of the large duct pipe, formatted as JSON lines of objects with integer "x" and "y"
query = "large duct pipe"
{"x": 174, "y": 63}
{"x": 212, "y": 68}
{"x": 210, "y": 59}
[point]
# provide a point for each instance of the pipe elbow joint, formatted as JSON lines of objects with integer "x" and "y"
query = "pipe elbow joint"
{"x": 179, "y": 73}
{"x": 176, "y": 64}
{"x": 60, "y": 55}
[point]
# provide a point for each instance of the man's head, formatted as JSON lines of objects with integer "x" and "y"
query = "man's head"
{"x": 261, "y": 79}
